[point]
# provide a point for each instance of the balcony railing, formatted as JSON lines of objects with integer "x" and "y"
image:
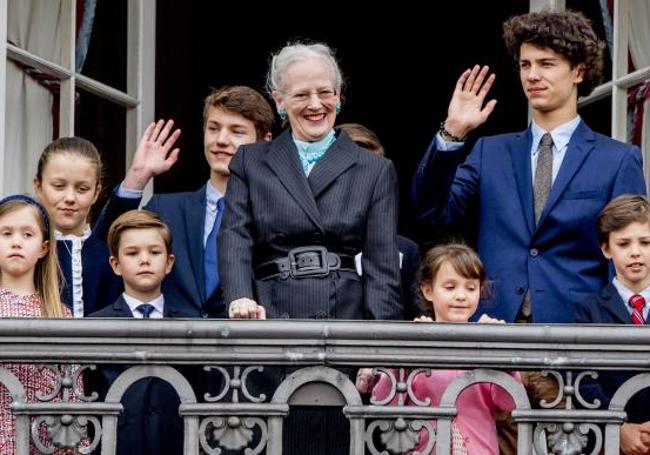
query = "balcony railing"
{"x": 317, "y": 354}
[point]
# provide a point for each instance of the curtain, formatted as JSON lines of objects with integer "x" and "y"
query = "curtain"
{"x": 639, "y": 43}
{"x": 33, "y": 25}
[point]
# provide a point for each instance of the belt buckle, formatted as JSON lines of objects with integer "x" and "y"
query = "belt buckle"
{"x": 298, "y": 272}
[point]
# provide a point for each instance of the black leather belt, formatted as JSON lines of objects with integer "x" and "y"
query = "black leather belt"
{"x": 305, "y": 262}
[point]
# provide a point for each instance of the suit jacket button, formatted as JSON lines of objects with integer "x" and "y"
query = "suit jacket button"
{"x": 519, "y": 290}
{"x": 534, "y": 252}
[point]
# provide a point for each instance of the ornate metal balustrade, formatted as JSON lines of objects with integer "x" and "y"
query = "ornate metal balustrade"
{"x": 314, "y": 351}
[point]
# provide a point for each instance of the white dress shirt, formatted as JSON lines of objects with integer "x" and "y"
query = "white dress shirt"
{"x": 77, "y": 243}
{"x": 561, "y": 136}
{"x": 158, "y": 304}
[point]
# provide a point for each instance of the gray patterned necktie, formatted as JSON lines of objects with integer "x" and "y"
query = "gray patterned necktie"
{"x": 543, "y": 174}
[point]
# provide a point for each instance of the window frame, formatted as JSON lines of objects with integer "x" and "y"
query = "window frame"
{"x": 138, "y": 100}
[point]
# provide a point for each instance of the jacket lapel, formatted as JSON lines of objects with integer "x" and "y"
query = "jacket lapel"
{"x": 340, "y": 157}
{"x": 121, "y": 308}
{"x": 580, "y": 145}
{"x": 195, "y": 207}
{"x": 519, "y": 150}
{"x": 614, "y": 305}
{"x": 282, "y": 158}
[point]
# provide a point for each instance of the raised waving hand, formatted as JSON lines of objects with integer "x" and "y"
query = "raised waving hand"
{"x": 467, "y": 108}
{"x": 154, "y": 154}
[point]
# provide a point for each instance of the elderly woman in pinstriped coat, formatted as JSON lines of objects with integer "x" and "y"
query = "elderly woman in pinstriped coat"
{"x": 298, "y": 209}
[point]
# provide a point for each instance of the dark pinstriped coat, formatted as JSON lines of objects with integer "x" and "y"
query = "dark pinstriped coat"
{"x": 348, "y": 204}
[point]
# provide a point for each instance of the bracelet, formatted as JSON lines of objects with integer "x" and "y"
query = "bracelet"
{"x": 447, "y": 134}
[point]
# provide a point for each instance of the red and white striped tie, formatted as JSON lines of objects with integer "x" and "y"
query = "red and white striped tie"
{"x": 637, "y": 302}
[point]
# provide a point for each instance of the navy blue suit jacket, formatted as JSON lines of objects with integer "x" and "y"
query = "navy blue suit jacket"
{"x": 408, "y": 271}
{"x": 100, "y": 285}
{"x": 607, "y": 307}
{"x": 558, "y": 260}
{"x": 184, "y": 287}
{"x": 150, "y": 423}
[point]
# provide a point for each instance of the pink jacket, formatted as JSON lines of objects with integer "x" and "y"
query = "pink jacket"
{"x": 476, "y": 407}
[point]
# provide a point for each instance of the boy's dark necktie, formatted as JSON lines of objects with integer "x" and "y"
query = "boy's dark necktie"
{"x": 210, "y": 268}
{"x": 145, "y": 309}
{"x": 637, "y": 302}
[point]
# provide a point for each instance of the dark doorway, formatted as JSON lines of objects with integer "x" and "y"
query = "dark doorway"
{"x": 400, "y": 63}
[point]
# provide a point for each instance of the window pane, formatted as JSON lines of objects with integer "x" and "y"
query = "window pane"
{"x": 104, "y": 124}
{"x": 598, "y": 115}
{"x": 101, "y": 43}
{"x": 28, "y": 128}
{"x": 639, "y": 34}
{"x": 36, "y": 26}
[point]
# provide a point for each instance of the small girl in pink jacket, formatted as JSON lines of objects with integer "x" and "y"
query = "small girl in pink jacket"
{"x": 452, "y": 279}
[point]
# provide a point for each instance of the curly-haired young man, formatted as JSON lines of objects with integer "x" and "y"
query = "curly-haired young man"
{"x": 538, "y": 192}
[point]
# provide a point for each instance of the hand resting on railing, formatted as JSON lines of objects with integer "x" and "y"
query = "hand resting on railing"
{"x": 635, "y": 438}
{"x": 246, "y": 309}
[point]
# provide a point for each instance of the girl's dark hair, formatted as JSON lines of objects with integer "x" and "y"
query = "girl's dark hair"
{"x": 363, "y": 137}
{"x": 74, "y": 145}
{"x": 462, "y": 258}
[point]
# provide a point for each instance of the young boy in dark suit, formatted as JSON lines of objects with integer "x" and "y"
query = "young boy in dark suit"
{"x": 140, "y": 247}
{"x": 624, "y": 237}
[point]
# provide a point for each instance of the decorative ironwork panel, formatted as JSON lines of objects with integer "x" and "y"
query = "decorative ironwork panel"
{"x": 310, "y": 362}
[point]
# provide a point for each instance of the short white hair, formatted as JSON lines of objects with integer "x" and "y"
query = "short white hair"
{"x": 295, "y": 52}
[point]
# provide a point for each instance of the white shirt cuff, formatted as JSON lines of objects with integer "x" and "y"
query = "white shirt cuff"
{"x": 444, "y": 146}
{"x": 127, "y": 193}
